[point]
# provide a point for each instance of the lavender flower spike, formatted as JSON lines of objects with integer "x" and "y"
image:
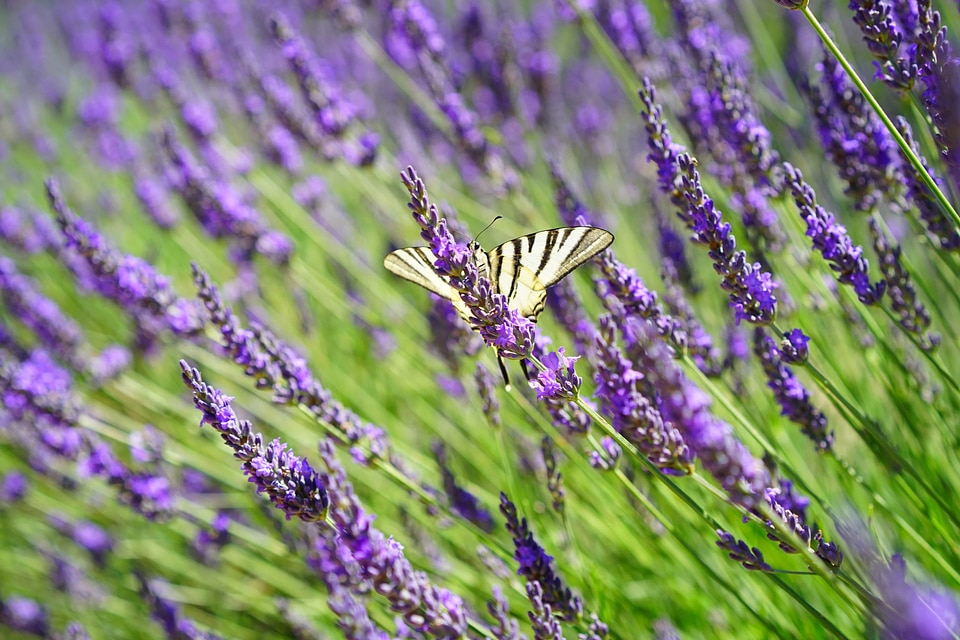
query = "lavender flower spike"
{"x": 503, "y": 328}
{"x": 751, "y": 288}
{"x": 289, "y": 481}
{"x": 832, "y": 241}
{"x": 426, "y": 608}
{"x": 688, "y": 408}
{"x": 537, "y": 566}
{"x": 559, "y": 379}
{"x": 791, "y": 395}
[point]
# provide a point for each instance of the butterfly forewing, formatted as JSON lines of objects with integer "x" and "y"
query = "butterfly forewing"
{"x": 524, "y": 267}
{"x": 416, "y": 265}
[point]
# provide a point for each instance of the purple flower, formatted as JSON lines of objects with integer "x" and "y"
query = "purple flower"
{"x": 424, "y": 607}
{"x": 129, "y": 281}
{"x": 278, "y": 367}
{"x": 936, "y": 221}
{"x": 499, "y": 326}
{"x": 751, "y": 288}
{"x": 608, "y": 457}
{"x": 831, "y": 240}
{"x": 545, "y": 625}
{"x": 287, "y": 479}
{"x": 153, "y": 197}
{"x": 855, "y": 140}
{"x": 558, "y": 379}
{"x": 913, "y": 316}
{"x": 56, "y": 332}
{"x": 554, "y": 477}
{"x": 826, "y": 551}
{"x": 876, "y": 21}
{"x": 168, "y": 614}
{"x": 462, "y": 502}
{"x": 688, "y": 408}
{"x": 536, "y": 566}
{"x": 13, "y": 487}
{"x": 738, "y": 551}
{"x": 25, "y": 615}
{"x": 331, "y": 112}
{"x": 791, "y": 395}
{"x": 793, "y": 347}
{"x": 628, "y": 398}
{"x": 504, "y": 626}
{"x": 485, "y": 385}
{"x": 565, "y": 413}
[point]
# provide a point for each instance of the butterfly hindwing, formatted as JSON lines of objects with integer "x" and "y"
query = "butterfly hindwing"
{"x": 524, "y": 267}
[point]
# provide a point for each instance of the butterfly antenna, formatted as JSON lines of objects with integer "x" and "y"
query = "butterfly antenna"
{"x": 503, "y": 370}
{"x": 477, "y": 237}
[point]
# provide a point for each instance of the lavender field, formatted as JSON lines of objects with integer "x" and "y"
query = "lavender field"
{"x": 225, "y": 416}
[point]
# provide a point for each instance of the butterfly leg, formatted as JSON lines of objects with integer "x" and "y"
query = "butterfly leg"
{"x": 526, "y": 371}
{"x": 503, "y": 370}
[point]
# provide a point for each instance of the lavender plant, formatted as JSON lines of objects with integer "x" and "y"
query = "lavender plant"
{"x": 196, "y": 201}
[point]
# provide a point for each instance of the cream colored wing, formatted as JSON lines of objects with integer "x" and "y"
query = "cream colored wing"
{"x": 524, "y": 267}
{"x": 416, "y": 265}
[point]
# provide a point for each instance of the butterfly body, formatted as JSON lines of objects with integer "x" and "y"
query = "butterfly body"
{"x": 521, "y": 269}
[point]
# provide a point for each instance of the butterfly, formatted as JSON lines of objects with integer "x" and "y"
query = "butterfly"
{"x": 521, "y": 269}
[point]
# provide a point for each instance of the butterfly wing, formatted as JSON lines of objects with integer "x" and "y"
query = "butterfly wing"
{"x": 524, "y": 267}
{"x": 416, "y": 265}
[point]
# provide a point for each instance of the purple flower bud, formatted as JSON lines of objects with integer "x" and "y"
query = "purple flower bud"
{"x": 25, "y": 615}
{"x": 545, "y": 625}
{"x": 558, "y": 379}
{"x": 791, "y": 395}
{"x": 462, "y": 502}
{"x": 913, "y": 316}
{"x": 793, "y": 347}
{"x": 485, "y": 385}
{"x": 537, "y": 567}
{"x": 13, "y": 487}
{"x": 608, "y": 457}
{"x": 738, "y": 551}
{"x": 831, "y": 240}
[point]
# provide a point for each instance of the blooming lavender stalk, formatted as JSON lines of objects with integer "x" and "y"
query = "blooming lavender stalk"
{"x": 826, "y": 551}
{"x": 57, "y": 333}
{"x": 855, "y": 140}
{"x": 831, "y": 240}
{"x": 461, "y": 501}
{"x": 913, "y": 315}
{"x": 739, "y": 551}
{"x": 168, "y": 614}
{"x": 554, "y": 476}
{"x": 791, "y": 395}
{"x": 500, "y": 327}
{"x": 556, "y": 387}
{"x": 485, "y": 385}
{"x": 129, "y": 281}
{"x": 276, "y": 366}
{"x": 536, "y": 566}
{"x": 688, "y": 408}
{"x": 346, "y": 587}
{"x": 413, "y": 29}
{"x": 504, "y": 627}
{"x": 545, "y": 625}
{"x": 751, "y": 288}
{"x": 939, "y": 69}
{"x": 878, "y": 26}
{"x": 627, "y": 396}
{"x": 287, "y": 479}
{"x": 425, "y": 607}
{"x": 937, "y": 224}
{"x": 25, "y": 616}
